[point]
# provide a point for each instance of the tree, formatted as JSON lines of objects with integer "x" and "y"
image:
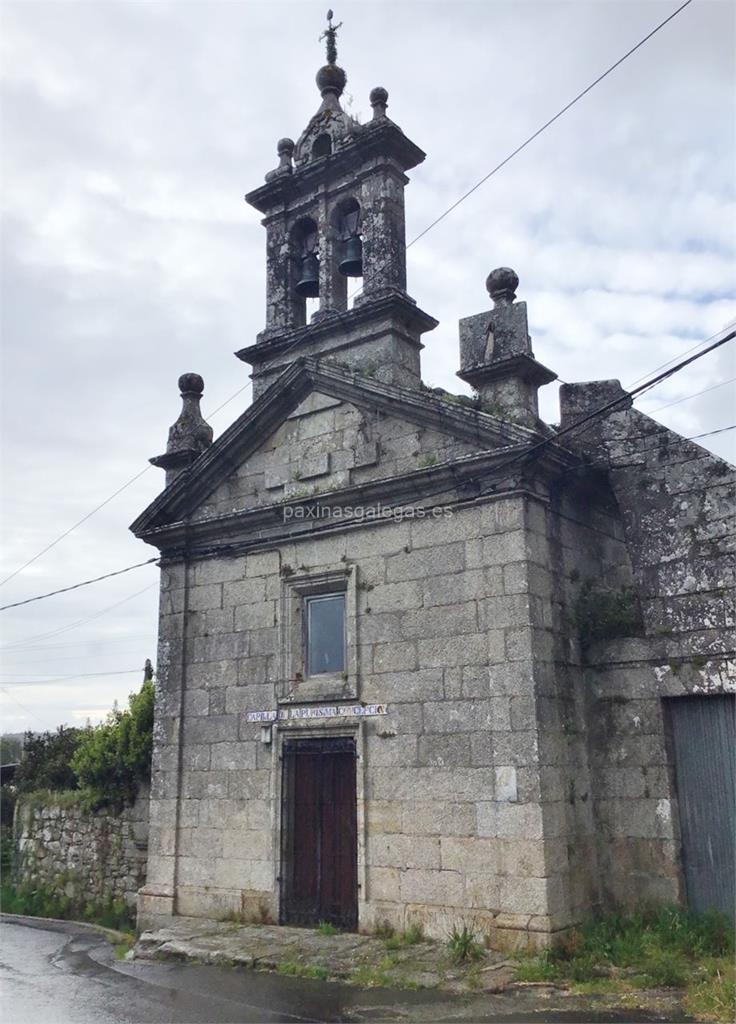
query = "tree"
{"x": 113, "y": 759}
{"x": 10, "y": 749}
{"x": 46, "y": 760}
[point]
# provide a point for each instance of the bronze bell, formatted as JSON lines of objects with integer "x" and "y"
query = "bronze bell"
{"x": 352, "y": 265}
{"x": 308, "y": 284}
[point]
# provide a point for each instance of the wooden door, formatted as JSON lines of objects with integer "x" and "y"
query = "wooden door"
{"x": 319, "y": 850}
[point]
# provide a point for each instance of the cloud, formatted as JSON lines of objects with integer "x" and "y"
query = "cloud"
{"x": 132, "y": 132}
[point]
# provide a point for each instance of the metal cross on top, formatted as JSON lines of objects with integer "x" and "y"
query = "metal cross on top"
{"x": 330, "y": 34}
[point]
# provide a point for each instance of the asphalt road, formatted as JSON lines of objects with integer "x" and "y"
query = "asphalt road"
{"x": 58, "y": 973}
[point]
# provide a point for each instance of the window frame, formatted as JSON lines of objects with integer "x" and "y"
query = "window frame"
{"x": 307, "y": 601}
{"x": 295, "y": 684}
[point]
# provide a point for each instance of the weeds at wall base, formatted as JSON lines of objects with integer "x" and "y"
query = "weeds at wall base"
{"x": 667, "y": 947}
{"x": 40, "y": 902}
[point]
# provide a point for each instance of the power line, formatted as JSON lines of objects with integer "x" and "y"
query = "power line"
{"x": 127, "y": 638}
{"x": 534, "y": 448}
{"x": 76, "y": 586}
{"x": 80, "y": 622}
{"x": 107, "y": 500}
{"x": 660, "y": 431}
{"x": 551, "y": 121}
{"x": 613, "y": 404}
{"x": 65, "y": 679}
{"x": 641, "y": 389}
{"x": 713, "y": 387}
{"x": 680, "y": 355}
{"x": 669, "y": 442}
{"x": 710, "y": 433}
{"x": 421, "y": 234}
{"x": 22, "y": 706}
{"x": 74, "y": 527}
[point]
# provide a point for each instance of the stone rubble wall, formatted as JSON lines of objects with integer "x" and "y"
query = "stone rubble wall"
{"x": 678, "y": 512}
{"x": 87, "y": 857}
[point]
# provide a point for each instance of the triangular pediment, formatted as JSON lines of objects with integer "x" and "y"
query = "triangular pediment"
{"x": 319, "y": 429}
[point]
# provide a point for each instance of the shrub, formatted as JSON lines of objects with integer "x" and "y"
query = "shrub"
{"x": 606, "y": 614}
{"x": 7, "y": 805}
{"x": 7, "y": 850}
{"x": 10, "y": 749}
{"x": 113, "y": 759}
{"x": 47, "y": 760}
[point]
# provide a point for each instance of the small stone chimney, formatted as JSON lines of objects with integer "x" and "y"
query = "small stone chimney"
{"x": 190, "y": 435}
{"x": 496, "y": 356}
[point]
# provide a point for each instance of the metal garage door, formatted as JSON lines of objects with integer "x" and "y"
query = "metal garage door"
{"x": 704, "y": 742}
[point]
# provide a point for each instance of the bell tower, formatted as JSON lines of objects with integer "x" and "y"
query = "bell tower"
{"x": 334, "y": 217}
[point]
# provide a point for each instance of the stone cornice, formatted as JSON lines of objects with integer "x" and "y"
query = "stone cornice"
{"x": 462, "y": 481}
{"x": 392, "y": 304}
{"x": 522, "y": 366}
{"x": 182, "y": 497}
{"x": 382, "y": 139}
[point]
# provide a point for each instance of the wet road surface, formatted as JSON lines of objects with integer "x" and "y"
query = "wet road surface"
{"x": 54, "y": 973}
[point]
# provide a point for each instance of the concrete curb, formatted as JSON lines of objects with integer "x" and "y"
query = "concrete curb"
{"x": 62, "y": 924}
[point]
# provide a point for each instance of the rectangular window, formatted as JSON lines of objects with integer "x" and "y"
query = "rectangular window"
{"x": 325, "y": 634}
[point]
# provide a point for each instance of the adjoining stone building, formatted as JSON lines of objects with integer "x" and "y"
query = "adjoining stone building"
{"x": 425, "y": 657}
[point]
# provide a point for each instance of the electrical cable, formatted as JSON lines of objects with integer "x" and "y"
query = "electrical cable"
{"x": 126, "y": 638}
{"x": 421, "y": 234}
{"x": 713, "y": 387}
{"x": 72, "y": 528}
{"x": 107, "y": 500}
{"x": 538, "y": 132}
{"x": 616, "y": 402}
{"x": 76, "y": 586}
{"x": 681, "y": 354}
{"x": 65, "y": 679}
{"x": 22, "y": 706}
{"x": 583, "y": 423}
{"x": 710, "y": 433}
{"x": 80, "y": 622}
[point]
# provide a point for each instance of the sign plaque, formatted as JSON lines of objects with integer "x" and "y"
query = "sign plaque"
{"x": 331, "y": 711}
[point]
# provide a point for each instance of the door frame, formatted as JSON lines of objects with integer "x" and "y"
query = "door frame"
{"x": 307, "y": 730}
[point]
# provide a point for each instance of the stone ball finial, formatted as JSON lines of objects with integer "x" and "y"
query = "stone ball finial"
{"x": 502, "y": 284}
{"x": 379, "y": 100}
{"x": 191, "y": 384}
{"x": 331, "y": 79}
{"x": 285, "y": 147}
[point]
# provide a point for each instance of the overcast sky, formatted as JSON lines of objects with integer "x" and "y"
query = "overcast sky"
{"x": 131, "y": 132}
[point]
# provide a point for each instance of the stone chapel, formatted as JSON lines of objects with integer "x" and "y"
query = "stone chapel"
{"x": 422, "y": 656}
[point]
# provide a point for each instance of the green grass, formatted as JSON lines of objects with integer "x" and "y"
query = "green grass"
{"x": 538, "y": 968}
{"x": 37, "y": 901}
{"x": 712, "y": 995}
{"x": 293, "y": 969}
{"x": 371, "y": 977}
{"x": 664, "y": 947}
{"x": 413, "y": 935}
{"x": 124, "y": 946}
{"x": 463, "y": 945}
{"x": 325, "y": 928}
